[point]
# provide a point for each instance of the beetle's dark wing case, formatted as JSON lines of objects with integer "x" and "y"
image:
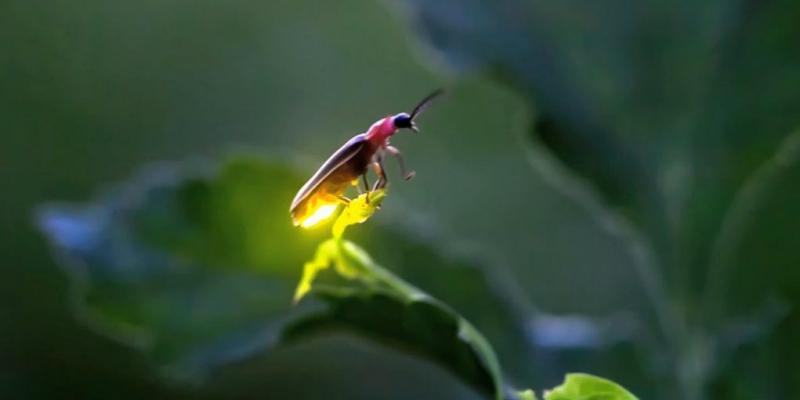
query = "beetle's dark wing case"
{"x": 341, "y": 156}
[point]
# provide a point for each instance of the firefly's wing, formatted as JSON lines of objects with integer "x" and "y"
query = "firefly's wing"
{"x": 341, "y": 156}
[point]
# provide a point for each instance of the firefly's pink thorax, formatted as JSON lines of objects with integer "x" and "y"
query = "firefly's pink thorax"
{"x": 380, "y": 131}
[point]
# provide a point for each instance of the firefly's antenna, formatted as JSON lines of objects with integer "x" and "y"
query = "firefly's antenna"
{"x": 426, "y": 102}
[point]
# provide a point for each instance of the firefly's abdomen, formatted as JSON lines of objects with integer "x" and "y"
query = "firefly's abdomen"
{"x": 330, "y": 188}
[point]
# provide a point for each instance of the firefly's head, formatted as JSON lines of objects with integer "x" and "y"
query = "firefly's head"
{"x": 404, "y": 121}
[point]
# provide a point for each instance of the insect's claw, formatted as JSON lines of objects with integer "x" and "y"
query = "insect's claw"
{"x": 409, "y": 175}
{"x": 344, "y": 200}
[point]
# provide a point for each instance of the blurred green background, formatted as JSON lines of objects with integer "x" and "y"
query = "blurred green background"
{"x": 609, "y": 187}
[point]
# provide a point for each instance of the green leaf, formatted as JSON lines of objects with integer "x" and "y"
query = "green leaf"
{"x": 423, "y": 327}
{"x": 588, "y": 387}
{"x": 358, "y": 211}
{"x": 340, "y": 365}
{"x": 383, "y": 306}
{"x": 526, "y": 395}
{"x": 198, "y": 271}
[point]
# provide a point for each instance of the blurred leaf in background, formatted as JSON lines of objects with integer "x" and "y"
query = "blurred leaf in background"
{"x": 195, "y": 272}
{"x": 192, "y": 270}
{"x": 198, "y": 272}
{"x": 669, "y": 112}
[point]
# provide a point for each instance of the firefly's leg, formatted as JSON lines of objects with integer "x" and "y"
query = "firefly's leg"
{"x": 381, "y": 182}
{"x": 366, "y": 185}
{"x": 343, "y": 199}
{"x": 407, "y": 175}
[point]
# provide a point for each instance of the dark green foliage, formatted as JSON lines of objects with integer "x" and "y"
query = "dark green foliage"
{"x": 670, "y": 111}
{"x": 421, "y": 326}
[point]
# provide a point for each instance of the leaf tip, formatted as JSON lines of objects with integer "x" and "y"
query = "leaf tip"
{"x": 358, "y": 211}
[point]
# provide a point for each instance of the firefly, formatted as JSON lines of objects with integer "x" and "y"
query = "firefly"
{"x": 318, "y": 198}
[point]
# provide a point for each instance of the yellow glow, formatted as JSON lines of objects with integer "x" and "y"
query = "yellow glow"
{"x": 329, "y": 253}
{"x": 322, "y": 213}
{"x": 358, "y": 211}
{"x": 326, "y": 252}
